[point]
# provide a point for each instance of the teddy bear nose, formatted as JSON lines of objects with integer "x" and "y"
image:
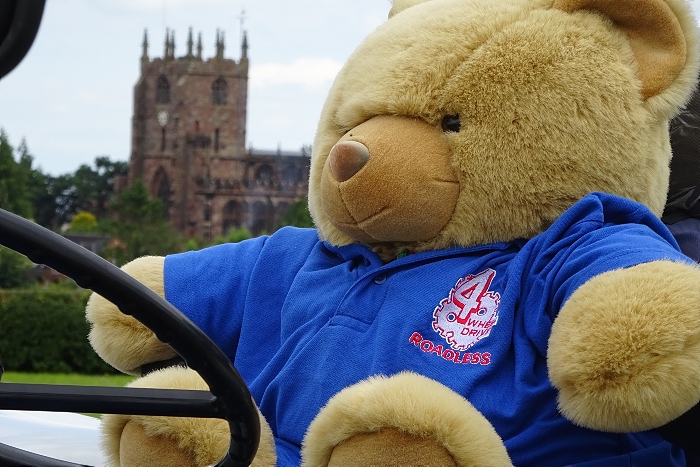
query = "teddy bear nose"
{"x": 347, "y": 158}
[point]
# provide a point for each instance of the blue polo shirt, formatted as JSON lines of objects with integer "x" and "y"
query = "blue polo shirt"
{"x": 302, "y": 319}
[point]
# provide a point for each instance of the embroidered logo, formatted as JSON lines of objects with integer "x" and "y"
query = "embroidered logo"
{"x": 470, "y": 311}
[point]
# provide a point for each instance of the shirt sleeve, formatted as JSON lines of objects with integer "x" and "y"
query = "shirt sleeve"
{"x": 209, "y": 286}
{"x": 596, "y": 238}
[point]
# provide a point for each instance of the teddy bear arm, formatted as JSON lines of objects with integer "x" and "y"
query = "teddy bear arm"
{"x": 121, "y": 340}
{"x": 136, "y": 440}
{"x": 624, "y": 351}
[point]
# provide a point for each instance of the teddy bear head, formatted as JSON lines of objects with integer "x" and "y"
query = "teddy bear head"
{"x": 464, "y": 122}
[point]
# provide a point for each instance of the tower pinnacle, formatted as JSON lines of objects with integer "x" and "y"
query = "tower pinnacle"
{"x": 190, "y": 43}
{"x": 219, "y": 44}
{"x": 144, "y": 46}
{"x": 166, "y": 50}
{"x": 172, "y": 44}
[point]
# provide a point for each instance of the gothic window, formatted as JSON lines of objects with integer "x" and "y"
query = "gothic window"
{"x": 161, "y": 187}
{"x": 232, "y": 216}
{"x": 263, "y": 176}
{"x": 291, "y": 175}
{"x": 216, "y": 139}
{"x": 162, "y": 139}
{"x": 218, "y": 92}
{"x": 163, "y": 90}
{"x": 262, "y": 218}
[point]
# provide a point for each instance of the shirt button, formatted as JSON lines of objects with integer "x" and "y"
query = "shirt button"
{"x": 380, "y": 279}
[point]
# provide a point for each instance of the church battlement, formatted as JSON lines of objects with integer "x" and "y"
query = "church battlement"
{"x": 193, "y": 57}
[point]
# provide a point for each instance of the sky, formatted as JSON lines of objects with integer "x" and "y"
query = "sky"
{"x": 71, "y": 98}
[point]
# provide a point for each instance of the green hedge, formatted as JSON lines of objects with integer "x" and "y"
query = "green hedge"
{"x": 46, "y": 331}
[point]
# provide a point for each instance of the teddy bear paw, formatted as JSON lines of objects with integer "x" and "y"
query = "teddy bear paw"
{"x": 391, "y": 448}
{"x": 403, "y": 420}
{"x": 137, "y": 440}
{"x": 624, "y": 351}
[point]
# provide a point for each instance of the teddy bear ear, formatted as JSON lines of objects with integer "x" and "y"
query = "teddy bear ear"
{"x": 661, "y": 33}
{"x": 400, "y": 5}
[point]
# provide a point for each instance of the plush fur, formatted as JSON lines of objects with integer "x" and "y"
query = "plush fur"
{"x": 121, "y": 340}
{"x": 467, "y": 122}
{"x": 645, "y": 320}
{"x": 136, "y": 441}
{"x": 405, "y": 405}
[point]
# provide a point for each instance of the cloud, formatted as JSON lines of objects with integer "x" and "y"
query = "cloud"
{"x": 163, "y": 5}
{"x": 309, "y": 72}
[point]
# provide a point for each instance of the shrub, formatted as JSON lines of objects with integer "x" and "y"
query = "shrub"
{"x": 83, "y": 222}
{"x": 45, "y": 331}
{"x": 14, "y": 268}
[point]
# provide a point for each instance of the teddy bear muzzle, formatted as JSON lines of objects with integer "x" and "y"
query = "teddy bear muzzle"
{"x": 390, "y": 179}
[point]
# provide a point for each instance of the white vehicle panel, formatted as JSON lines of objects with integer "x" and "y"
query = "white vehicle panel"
{"x": 67, "y": 436}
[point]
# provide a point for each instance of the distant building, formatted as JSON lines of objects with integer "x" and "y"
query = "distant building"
{"x": 45, "y": 275}
{"x": 92, "y": 242}
{"x": 188, "y": 144}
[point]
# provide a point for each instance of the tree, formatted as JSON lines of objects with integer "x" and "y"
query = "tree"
{"x": 238, "y": 235}
{"x": 87, "y": 189}
{"x": 298, "y": 214}
{"x": 94, "y": 188}
{"x": 138, "y": 227}
{"x": 56, "y": 200}
{"x": 53, "y": 201}
{"x": 40, "y": 198}
{"x": 13, "y": 269}
{"x": 14, "y": 193}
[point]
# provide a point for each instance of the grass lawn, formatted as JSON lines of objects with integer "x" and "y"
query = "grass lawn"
{"x": 72, "y": 379}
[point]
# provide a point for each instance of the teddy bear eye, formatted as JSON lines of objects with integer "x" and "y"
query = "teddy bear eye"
{"x": 450, "y": 123}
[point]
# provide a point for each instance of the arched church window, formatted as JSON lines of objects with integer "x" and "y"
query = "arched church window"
{"x": 291, "y": 175}
{"x": 162, "y": 90}
{"x": 161, "y": 187}
{"x": 232, "y": 216}
{"x": 218, "y": 92}
{"x": 262, "y": 218}
{"x": 263, "y": 176}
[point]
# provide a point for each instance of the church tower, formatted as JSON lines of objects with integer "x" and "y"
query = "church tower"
{"x": 188, "y": 143}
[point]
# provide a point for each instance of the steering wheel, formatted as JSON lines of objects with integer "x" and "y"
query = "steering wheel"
{"x": 19, "y": 23}
{"x": 228, "y": 397}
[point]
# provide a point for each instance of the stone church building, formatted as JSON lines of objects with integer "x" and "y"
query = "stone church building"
{"x": 188, "y": 144}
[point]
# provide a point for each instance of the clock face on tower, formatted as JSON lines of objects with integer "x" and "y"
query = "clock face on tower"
{"x": 163, "y": 117}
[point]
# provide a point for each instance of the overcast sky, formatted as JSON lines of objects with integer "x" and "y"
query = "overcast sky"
{"x": 72, "y": 96}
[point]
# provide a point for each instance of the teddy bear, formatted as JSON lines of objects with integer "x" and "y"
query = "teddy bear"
{"x": 489, "y": 282}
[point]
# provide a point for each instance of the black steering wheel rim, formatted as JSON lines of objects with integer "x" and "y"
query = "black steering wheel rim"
{"x": 232, "y": 400}
{"x": 19, "y": 24}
